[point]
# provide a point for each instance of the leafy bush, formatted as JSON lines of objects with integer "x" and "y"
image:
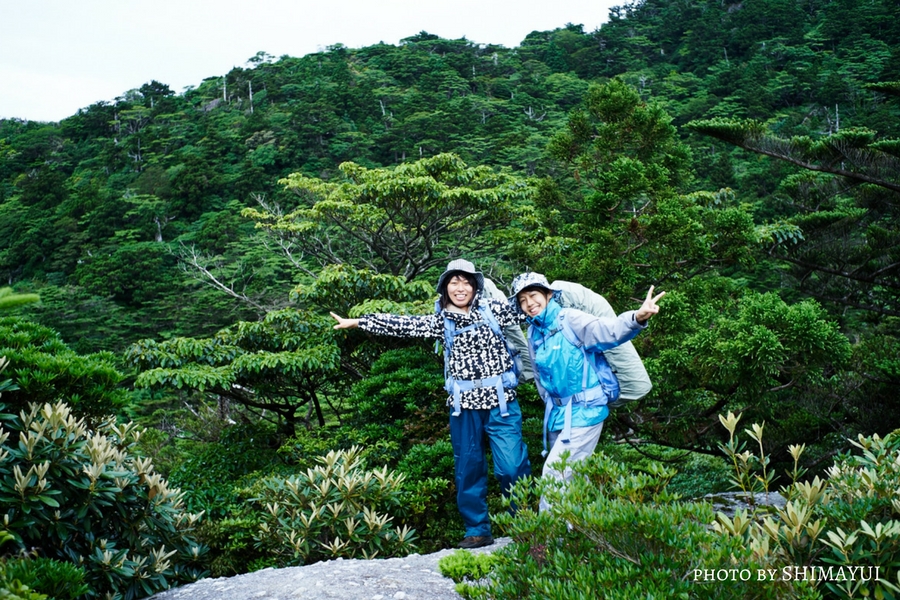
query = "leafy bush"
{"x": 5, "y": 384}
{"x": 847, "y": 520}
{"x": 59, "y": 580}
{"x": 210, "y": 475}
{"x": 617, "y": 534}
{"x": 232, "y": 543}
{"x": 425, "y": 461}
{"x": 463, "y": 565}
{"x": 429, "y": 505}
{"x": 698, "y": 474}
{"x": 398, "y": 384}
{"x": 45, "y": 369}
{"x": 80, "y": 495}
{"x": 337, "y": 509}
{"x": 16, "y": 590}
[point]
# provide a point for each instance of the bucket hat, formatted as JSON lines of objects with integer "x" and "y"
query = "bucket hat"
{"x": 527, "y": 280}
{"x": 460, "y": 265}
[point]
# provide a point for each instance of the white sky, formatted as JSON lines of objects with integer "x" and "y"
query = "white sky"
{"x": 57, "y": 56}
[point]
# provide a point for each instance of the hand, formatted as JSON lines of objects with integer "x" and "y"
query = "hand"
{"x": 345, "y": 323}
{"x": 649, "y": 307}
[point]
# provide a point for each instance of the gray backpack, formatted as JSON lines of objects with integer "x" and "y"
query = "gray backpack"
{"x": 513, "y": 334}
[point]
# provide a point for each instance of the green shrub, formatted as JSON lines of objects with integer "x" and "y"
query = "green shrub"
{"x": 45, "y": 369}
{"x": 424, "y": 461}
{"x": 337, "y": 509}
{"x": 429, "y": 503}
{"x": 617, "y": 534}
{"x": 462, "y": 565}
{"x": 59, "y": 580}
{"x": 862, "y": 511}
{"x": 379, "y": 444}
{"x": 847, "y": 520}
{"x": 16, "y": 590}
{"x": 5, "y": 384}
{"x": 211, "y": 474}
{"x": 698, "y": 474}
{"x": 399, "y": 382}
{"x": 80, "y": 495}
{"x": 232, "y": 543}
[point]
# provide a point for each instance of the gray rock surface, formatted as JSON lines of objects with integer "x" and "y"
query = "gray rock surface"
{"x": 413, "y": 577}
{"x": 729, "y": 503}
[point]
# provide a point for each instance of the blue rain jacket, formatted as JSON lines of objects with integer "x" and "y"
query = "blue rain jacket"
{"x": 559, "y": 364}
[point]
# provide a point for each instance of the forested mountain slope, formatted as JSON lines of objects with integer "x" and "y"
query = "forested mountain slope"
{"x": 96, "y": 210}
{"x": 187, "y": 248}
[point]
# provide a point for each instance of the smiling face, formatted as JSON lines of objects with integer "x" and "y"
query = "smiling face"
{"x": 460, "y": 291}
{"x": 533, "y": 300}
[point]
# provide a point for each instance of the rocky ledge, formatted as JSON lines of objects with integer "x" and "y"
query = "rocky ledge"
{"x": 413, "y": 577}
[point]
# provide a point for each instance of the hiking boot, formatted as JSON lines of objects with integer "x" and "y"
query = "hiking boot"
{"x": 476, "y": 541}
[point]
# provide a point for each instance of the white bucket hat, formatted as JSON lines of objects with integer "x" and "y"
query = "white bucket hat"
{"x": 460, "y": 265}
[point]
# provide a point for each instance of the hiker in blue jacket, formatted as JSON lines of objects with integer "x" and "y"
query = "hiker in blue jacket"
{"x": 571, "y": 374}
{"x": 480, "y": 380}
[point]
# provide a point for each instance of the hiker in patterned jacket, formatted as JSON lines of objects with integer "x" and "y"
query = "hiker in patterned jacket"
{"x": 480, "y": 378}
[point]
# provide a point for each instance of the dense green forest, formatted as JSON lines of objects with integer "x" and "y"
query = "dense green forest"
{"x": 186, "y": 249}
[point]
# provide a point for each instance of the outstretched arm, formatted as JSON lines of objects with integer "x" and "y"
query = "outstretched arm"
{"x": 603, "y": 333}
{"x": 649, "y": 307}
{"x": 345, "y": 323}
{"x": 395, "y": 325}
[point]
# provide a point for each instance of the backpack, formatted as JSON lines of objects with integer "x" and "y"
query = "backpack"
{"x": 605, "y": 393}
{"x": 634, "y": 382}
{"x": 514, "y": 338}
{"x": 507, "y": 380}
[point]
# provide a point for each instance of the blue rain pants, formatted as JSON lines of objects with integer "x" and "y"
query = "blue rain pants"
{"x": 510, "y": 455}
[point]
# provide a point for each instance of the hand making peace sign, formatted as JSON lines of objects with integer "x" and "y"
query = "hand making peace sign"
{"x": 649, "y": 307}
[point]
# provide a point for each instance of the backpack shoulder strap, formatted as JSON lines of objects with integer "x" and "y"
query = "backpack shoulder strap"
{"x": 533, "y": 345}
{"x": 566, "y": 327}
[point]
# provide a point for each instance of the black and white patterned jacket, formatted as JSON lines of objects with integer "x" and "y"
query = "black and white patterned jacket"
{"x": 475, "y": 354}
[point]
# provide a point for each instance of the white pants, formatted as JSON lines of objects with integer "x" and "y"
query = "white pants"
{"x": 580, "y": 446}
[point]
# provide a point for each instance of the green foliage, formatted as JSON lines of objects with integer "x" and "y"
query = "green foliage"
{"x": 724, "y": 347}
{"x": 353, "y": 292}
{"x": 863, "y": 514}
{"x": 232, "y": 546}
{"x": 45, "y": 370}
{"x": 616, "y": 533}
{"x": 836, "y": 234}
{"x": 58, "y": 580}
{"x": 337, "y": 509}
{"x": 132, "y": 274}
{"x": 429, "y": 503}
{"x": 15, "y": 590}
{"x": 283, "y": 364}
{"x": 102, "y": 213}
{"x": 213, "y": 471}
{"x": 79, "y": 495}
{"x": 10, "y": 300}
{"x": 398, "y": 384}
{"x": 462, "y": 566}
{"x": 400, "y": 221}
{"x": 698, "y": 474}
{"x": 735, "y": 131}
{"x": 616, "y": 219}
{"x": 5, "y": 384}
{"x": 859, "y": 496}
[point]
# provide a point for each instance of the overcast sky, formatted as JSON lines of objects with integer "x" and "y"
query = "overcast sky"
{"x": 57, "y": 56}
